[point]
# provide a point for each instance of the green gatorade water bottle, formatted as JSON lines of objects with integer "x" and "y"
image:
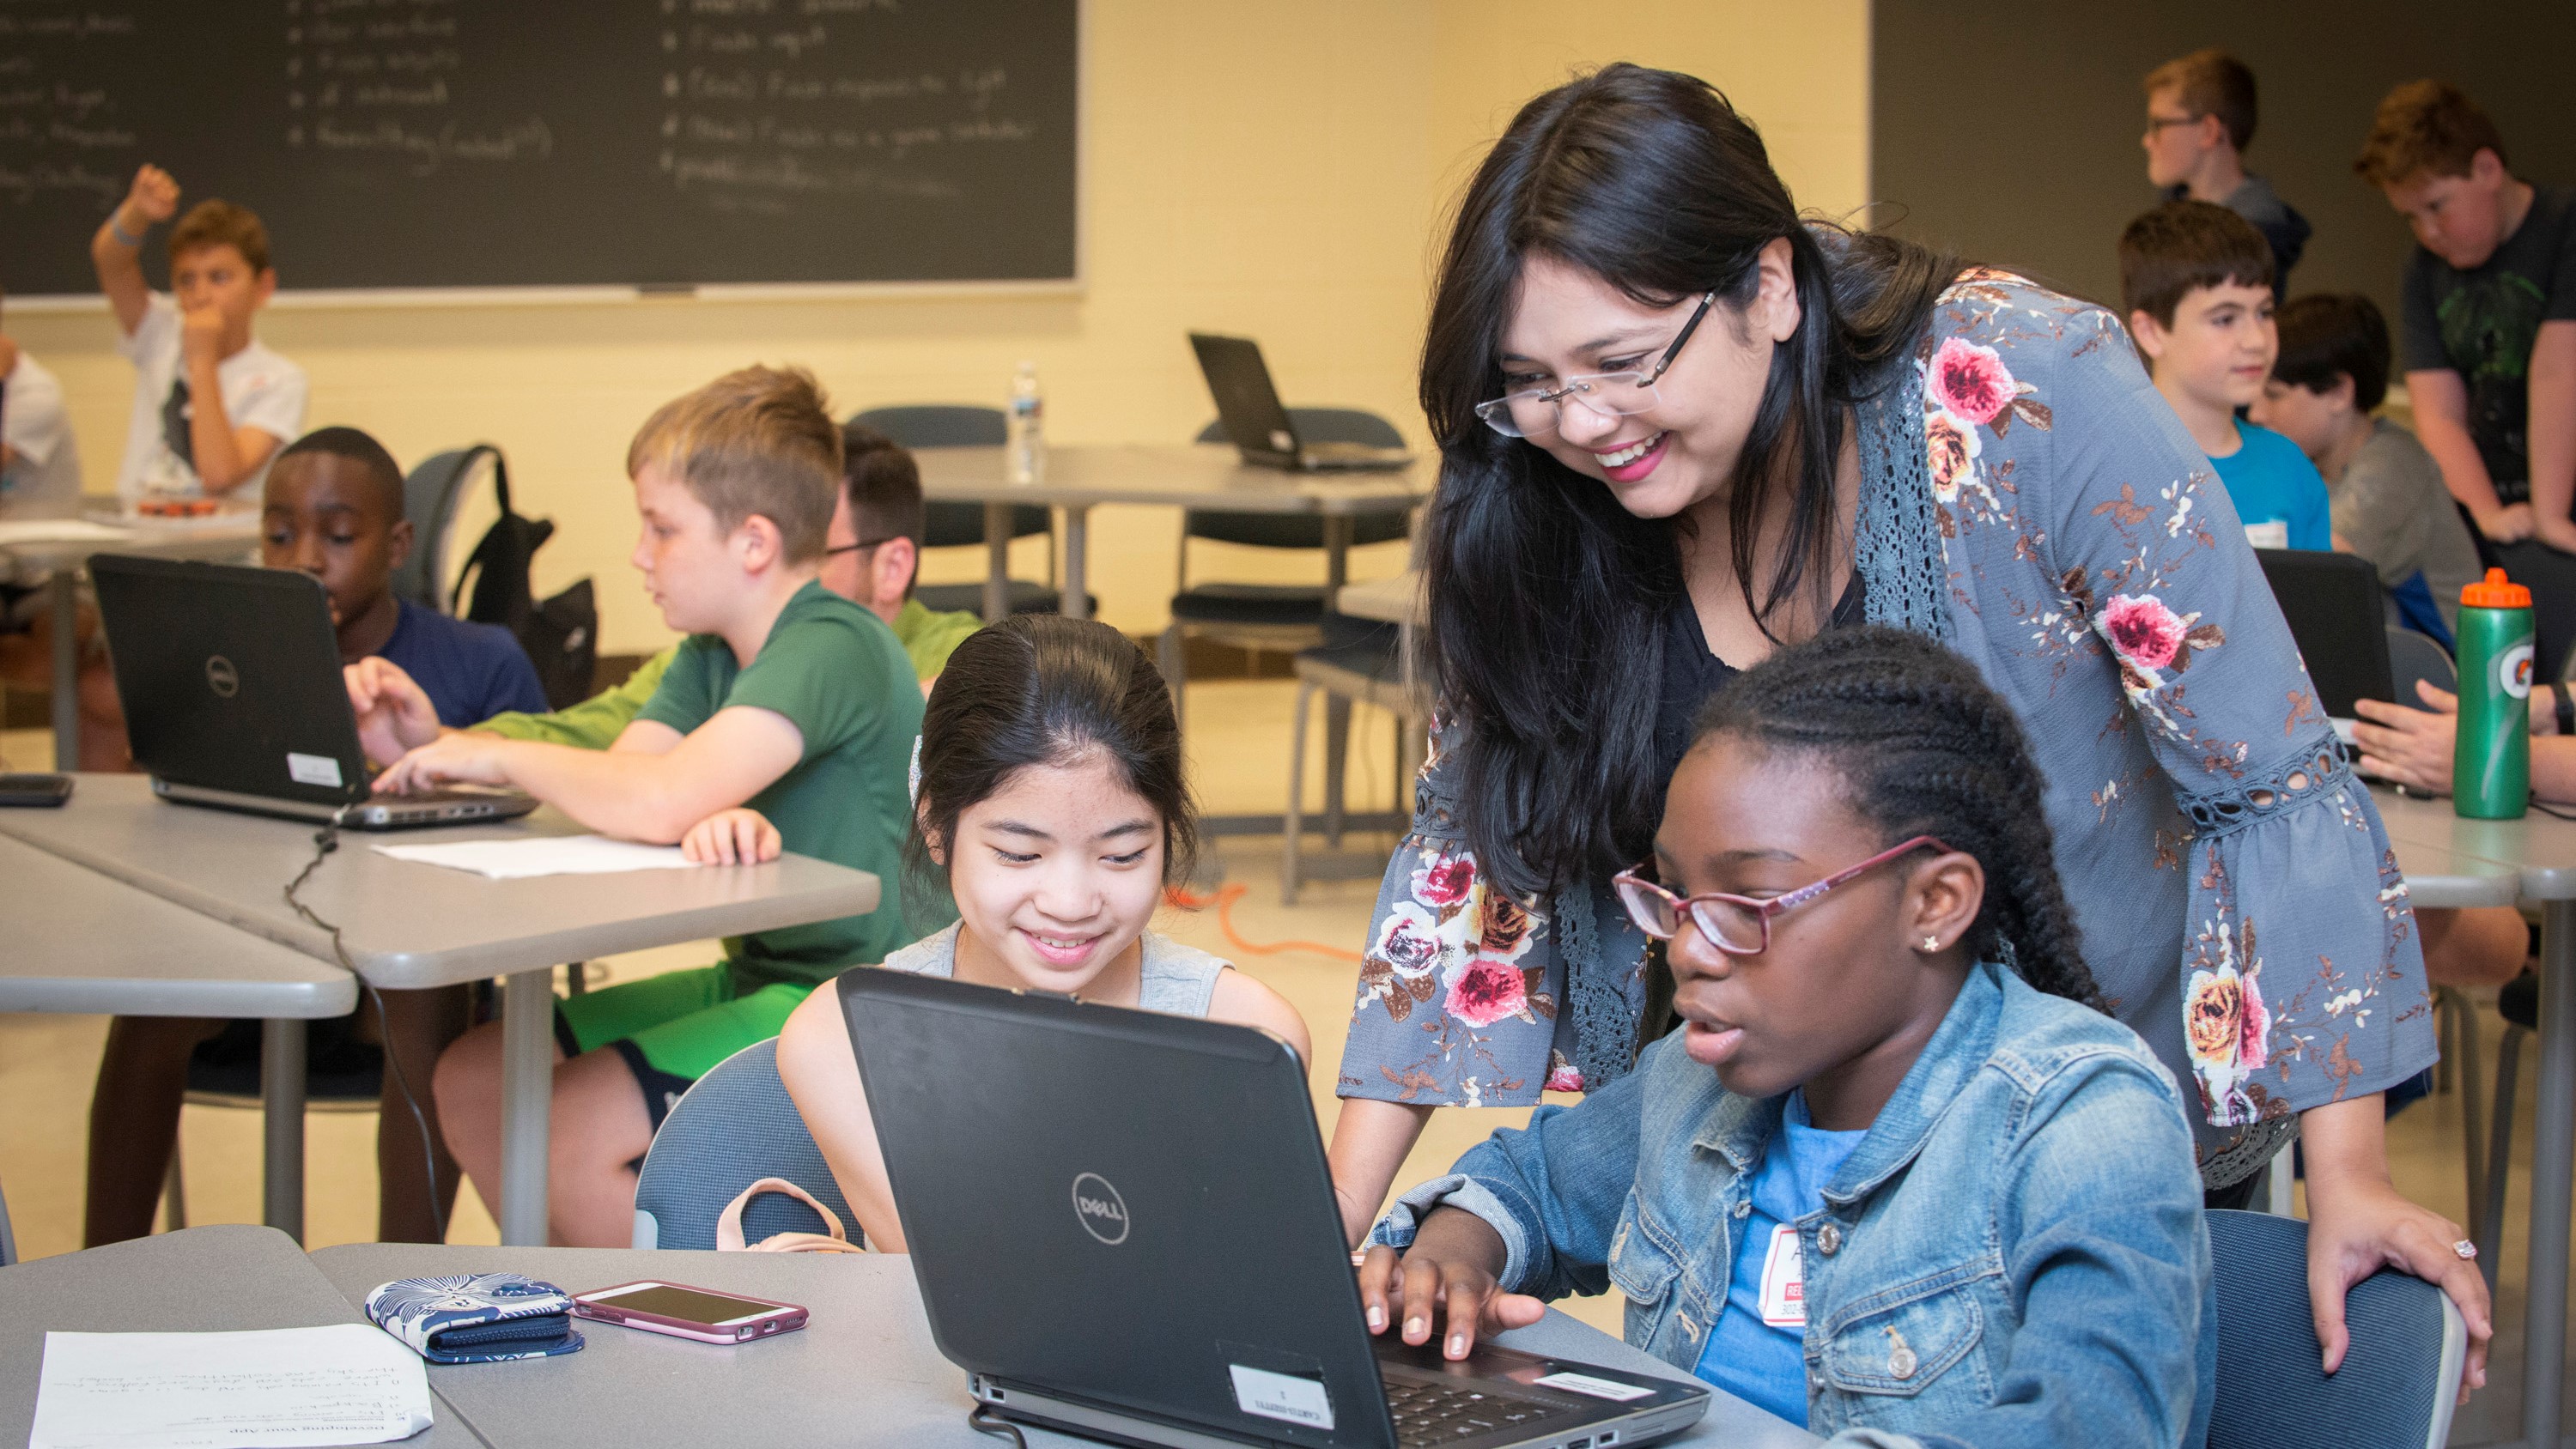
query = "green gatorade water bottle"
{"x": 2491, "y": 756}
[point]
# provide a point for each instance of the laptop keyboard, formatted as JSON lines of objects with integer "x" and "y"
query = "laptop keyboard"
{"x": 1436, "y": 1413}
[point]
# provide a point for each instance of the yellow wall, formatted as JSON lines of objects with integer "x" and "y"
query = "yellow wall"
{"x": 1271, "y": 170}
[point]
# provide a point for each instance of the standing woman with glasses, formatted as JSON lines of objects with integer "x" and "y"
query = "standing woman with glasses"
{"x": 1680, "y": 428}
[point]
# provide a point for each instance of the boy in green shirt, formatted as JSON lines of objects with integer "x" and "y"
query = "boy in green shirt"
{"x": 870, "y": 555}
{"x": 786, "y": 698}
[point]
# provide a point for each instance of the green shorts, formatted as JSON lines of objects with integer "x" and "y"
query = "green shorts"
{"x": 672, "y": 1029}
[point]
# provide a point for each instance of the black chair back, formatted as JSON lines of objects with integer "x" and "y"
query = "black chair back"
{"x": 954, "y": 425}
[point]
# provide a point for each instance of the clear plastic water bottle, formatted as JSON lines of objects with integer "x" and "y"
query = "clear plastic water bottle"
{"x": 1024, "y": 460}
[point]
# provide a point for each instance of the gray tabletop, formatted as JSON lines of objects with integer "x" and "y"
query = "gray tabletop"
{"x": 408, "y": 925}
{"x": 82, "y": 941}
{"x": 196, "y": 1281}
{"x": 2539, "y": 848}
{"x": 863, "y": 1371}
{"x": 1183, "y": 475}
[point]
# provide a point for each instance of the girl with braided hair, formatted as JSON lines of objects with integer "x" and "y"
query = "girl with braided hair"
{"x": 1682, "y": 426}
{"x": 1876, "y": 1143}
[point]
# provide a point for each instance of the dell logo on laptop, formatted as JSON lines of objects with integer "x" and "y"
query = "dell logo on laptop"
{"x": 221, "y": 677}
{"x": 1099, "y": 1208}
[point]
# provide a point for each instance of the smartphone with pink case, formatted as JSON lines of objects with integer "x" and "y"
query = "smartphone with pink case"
{"x": 685, "y": 1312}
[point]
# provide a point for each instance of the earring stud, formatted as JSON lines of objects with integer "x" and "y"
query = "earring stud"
{"x": 1931, "y": 943}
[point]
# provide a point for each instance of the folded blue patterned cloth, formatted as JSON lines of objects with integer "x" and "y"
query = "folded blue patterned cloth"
{"x": 476, "y": 1317}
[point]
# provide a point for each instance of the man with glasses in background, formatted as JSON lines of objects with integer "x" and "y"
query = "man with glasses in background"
{"x": 2200, "y": 119}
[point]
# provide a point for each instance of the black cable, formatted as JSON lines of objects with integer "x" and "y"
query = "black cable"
{"x": 325, "y": 841}
{"x": 2552, "y": 813}
{"x": 983, "y": 1420}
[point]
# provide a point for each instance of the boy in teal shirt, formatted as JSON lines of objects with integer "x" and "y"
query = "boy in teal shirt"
{"x": 787, "y": 698}
{"x": 2196, "y": 280}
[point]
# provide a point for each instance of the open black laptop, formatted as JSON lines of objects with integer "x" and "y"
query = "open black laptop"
{"x": 1123, "y": 1227}
{"x": 1258, "y": 423}
{"x": 2339, "y": 618}
{"x": 233, "y": 698}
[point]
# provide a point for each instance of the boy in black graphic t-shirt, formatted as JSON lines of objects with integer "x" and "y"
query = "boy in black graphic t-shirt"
{"x": 2490, "y": 312}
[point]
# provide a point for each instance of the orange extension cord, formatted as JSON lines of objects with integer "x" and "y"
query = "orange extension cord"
{"x": 1223, "y": 900}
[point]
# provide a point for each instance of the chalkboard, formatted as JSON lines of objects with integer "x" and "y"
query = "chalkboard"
{"x": 552, "y": 143}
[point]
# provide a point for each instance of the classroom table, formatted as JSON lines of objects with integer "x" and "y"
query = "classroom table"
{"x": 863, "y": 1371}
{"x": 407, "y": 926}
{"x": 80, "y": 941}
{"x": 2538, "y": 852}
{"x": 63, "y": 545}
{"x": 198, "y": 1280}
{"x": 1188, "y": 475}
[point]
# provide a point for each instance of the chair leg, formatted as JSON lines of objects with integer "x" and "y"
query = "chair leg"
{"x": 2464, "y": 1032}
{"x": 1170, "y": 657}
{"x": 174, "y": 1194}
{"x": 2280, "y": 1181}
{"x": 2487, "y": 1230}
{"x": 1293, "y": 827}
{"x": 1337, "y": 759}
{"x": 2446, "y": 1027}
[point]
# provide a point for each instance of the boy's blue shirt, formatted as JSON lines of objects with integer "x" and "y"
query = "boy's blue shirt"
{"x": 2013, "y": 1257}
{"x": 470, "y": 671}
{"x": 2271, "y": 481}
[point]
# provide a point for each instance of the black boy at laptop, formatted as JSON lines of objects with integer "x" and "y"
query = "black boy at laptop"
{"x": 331, "y": 507}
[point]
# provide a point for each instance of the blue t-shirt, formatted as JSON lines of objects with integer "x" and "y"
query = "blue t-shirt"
{"x": 470, "y": 671}
{"x": 2272, "y": 483}
{"x": 1764, "y": 1359}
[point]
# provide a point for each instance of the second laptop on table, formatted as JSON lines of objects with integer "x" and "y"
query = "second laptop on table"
{"x": 233, "y": 698}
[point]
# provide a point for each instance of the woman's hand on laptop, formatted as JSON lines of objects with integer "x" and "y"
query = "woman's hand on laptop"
{"x": 740, "y": 836}
{"x": 395, "y": 715}
{"x": 454, "y": 758}
{"x": 1447, "y": 1274}
{"x": 2406, "y": 745}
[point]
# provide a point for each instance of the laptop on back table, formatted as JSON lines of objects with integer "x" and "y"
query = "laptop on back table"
{"x": 1260, "y": 426}
{"x": 233, "y": 698}
{"x": 2337, "y": 616}
{"x": 1123, "y": 1227}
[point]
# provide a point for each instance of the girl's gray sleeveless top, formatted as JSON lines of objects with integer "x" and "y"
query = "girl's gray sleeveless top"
{"x": 1177, "y": 980}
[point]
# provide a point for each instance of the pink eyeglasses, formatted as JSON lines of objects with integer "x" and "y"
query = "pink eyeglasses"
{"x": 1737, "y": 925}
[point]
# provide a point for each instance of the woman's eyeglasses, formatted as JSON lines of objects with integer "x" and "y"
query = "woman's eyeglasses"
{"x": 1535, "y": 413}
{"x": 1736, "y": 925}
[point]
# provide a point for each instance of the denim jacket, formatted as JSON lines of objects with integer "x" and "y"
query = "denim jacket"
{"x": 2014, "y": 1256}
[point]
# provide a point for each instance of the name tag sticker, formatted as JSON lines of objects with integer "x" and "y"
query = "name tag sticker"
{"x": 2271, "y": 533}
{"x": 313, "y": 770}
{"x": 1784, "y": 1290}
{"x": 1281, "y": 1396}
{"x": 1574, "y": 1383}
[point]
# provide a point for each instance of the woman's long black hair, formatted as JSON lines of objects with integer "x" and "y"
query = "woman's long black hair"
{"x": 1923, "y": 747}
{"x": 1545, "y": 595}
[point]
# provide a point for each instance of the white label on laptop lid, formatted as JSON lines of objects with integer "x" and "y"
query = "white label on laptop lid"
{"x": 1598, "y": 1388}
{"x": 1281, "y": 1396}
{"x": 313, "y": 770}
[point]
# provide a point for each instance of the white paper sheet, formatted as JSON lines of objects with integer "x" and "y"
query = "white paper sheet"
{"x": 543, "y": 855}
{"x": 345, "y": 1384}
{"x": 59, "y": 530}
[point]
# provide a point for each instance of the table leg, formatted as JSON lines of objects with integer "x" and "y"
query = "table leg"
{"x": 65, "y": 591}
{"x": 527, "y": 1102}
{"x": 1337, "y": 550}
{"x": 2553, "y": 1179}
{"x": 997, "y": 562}
{"x": 1077, "y": 570}
{"x": 281, "y": 1100}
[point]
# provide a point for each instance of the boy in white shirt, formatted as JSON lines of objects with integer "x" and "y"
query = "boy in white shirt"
{"x": 40, "y": 474}
{"x": 194, "y": 342}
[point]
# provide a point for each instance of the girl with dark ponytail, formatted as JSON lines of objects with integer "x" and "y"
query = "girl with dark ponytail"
{"x": 1682, "y": 427}
{"x": 1884, "y": 1118}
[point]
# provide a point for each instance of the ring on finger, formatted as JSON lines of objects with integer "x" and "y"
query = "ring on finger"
{"x": 2465, "y": 1248}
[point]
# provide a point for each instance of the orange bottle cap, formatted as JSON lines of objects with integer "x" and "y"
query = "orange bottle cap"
{"x": 2495, "y": 593}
